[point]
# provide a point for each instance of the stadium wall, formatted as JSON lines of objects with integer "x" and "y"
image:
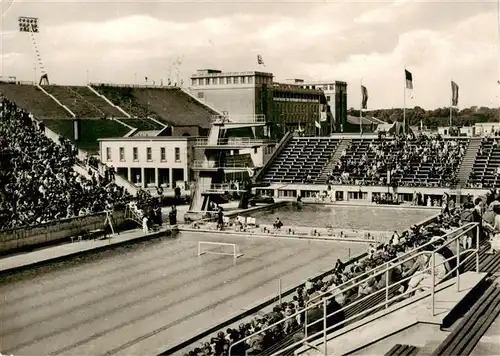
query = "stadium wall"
{"x": 53, "y": 232}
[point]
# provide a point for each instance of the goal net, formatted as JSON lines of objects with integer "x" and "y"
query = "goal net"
{"x": 218, "y": 248}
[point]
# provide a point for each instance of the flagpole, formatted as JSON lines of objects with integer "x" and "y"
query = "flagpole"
{"x": 361, "y": 110}
{"x": 451, "y": 106}
{"x": 404, "y": 103}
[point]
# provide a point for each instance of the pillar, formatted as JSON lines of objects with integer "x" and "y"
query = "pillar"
{"x": 171, "y": 178}
{"x": 143, "y": 181}
{"x": 129, "y": 174}
{"x": 157, "y": 179}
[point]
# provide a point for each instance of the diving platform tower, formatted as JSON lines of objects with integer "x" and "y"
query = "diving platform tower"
{"x": 215, "y": 150}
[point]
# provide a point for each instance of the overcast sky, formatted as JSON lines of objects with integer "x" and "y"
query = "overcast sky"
{"x": 350, "y": 41}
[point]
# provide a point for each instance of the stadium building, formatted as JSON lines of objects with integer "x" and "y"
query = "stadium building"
{"x": 312, "y": 108}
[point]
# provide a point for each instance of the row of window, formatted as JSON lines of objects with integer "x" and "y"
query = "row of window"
{"x": 149, "y": 154}
{"x": 230, "y": 80}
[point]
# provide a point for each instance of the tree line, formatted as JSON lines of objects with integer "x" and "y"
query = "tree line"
{"x": 434, "y": 118}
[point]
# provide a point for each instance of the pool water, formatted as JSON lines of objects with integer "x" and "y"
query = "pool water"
{"x": 344, "y": 217}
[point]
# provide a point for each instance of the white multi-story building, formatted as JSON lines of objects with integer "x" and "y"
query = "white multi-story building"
{"x": 149, "y": 161}
{"x": 165, "y": 160}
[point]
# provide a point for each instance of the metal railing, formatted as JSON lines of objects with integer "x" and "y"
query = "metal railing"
{"x": 236, "y": 141}
{"x": 205, "y": 164}
{"x": 243, "y": 119}
{"x": 219, "y": 188}
{"x": 384, "y": 270}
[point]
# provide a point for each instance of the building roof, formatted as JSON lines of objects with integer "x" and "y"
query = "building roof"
{"x": 150, "y": 138}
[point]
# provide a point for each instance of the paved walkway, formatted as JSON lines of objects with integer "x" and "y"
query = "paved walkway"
{"x": 66, "y": 250}
{"x": 296, "y": 232}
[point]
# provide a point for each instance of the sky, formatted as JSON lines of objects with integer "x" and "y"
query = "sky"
{"x": 352, "y": 41}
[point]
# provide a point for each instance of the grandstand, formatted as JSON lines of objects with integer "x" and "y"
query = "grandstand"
{"x": 171, "y": 106}
{"x": 432, "y": 165}
{"x": 138, "y": 111}
{"x": 485, "y": 170}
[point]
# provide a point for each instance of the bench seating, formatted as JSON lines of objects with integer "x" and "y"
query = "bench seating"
{"x": 402, "y": 350}
{"x": 466, "y": 335}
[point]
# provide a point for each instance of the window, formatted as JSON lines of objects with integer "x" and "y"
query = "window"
{"x": 193, "y": 82}
{"x": 243, "y": 80}
{"x": 221, "y": 80}
{"x": 163, "y": 154}
{"x": 177, "y": 154}
{"x": 122, "y": 154}
{"x": 135, "y": 154}
{"x": 149, "y": 154}
{"x": 328, "y": 98}
{"x": 236, "y": 80}
{"x": 228, "y": 80}
{"x": 250, "y": 80}
{"x": 201, "y": 95}
{"x": 108, "y": 153}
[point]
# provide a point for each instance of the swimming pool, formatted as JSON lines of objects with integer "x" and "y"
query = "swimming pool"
{"x": 344, "y": 217}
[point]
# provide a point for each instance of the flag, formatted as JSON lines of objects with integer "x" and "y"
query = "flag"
{"x": 409, "y": 82}
{"x": 260, "y": 61}
{"x": 454, "y": 93}
{"x": 364, "y": 100}
{"x": 318, "y": 125}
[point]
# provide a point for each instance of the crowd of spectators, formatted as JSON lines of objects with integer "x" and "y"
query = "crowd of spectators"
{"x": 399, "y": 156}
{"x": 37, "y": 180}
{"x": 416, "y": 271}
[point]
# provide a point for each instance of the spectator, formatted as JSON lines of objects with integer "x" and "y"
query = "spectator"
{"x": 37, "y": 181}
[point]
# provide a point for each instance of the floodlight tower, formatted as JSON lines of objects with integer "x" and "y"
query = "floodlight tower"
{"x": 30, "y": 25}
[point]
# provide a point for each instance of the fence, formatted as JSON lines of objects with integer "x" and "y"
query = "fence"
{"x": 385, "y": 270}
{"x": 52, "y": 232}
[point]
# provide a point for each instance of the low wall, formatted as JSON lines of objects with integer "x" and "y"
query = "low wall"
{"x": 53, "y": 232}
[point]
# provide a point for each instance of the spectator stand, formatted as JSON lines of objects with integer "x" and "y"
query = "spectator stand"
{"x": 346, "y": 294}
{"x": 39, "y": 183}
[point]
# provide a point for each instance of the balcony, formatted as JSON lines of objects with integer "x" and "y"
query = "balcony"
{"x": 238, "y": 119}
{"x": 218, "y": 189}
{"x": 213, "y": 166}
{"x": 232, "y": 143}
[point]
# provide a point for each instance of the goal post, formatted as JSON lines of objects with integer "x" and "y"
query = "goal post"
{"x": 218, "y": 248}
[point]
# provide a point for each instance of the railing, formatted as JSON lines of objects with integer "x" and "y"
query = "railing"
{"x": 244, "y": 119}
{"x": 236, "y": 141}
{"x": 219, "y": 188}
{"x": 381, "y": 271}
{"x": 216, "y": 165}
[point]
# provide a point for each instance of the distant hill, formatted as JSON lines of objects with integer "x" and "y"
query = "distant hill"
{"x": 434, "y": 118}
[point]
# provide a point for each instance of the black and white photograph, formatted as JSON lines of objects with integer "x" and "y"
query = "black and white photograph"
{"x": 250, "y": 177}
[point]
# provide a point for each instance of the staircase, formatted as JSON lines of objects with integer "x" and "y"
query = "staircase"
{"x": 468, "y": 161}
{"x": 323, "y": 177}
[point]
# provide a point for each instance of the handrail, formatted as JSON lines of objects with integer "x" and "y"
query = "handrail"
{"x": 207, "y": 164}
{"x": 370, "y": 275}
{"x": 237, "y": 141}
{"x": 409, "y": 253}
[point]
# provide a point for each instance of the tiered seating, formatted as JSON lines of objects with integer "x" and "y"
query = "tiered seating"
{"x": 169, "y": 105}
{"x": 75, "y": 102}
{"x": 484, "y": 172}
{"x": 33, "y": 100}
{"x": 300, "y": 158}
{"x": 98, "y": 102}
{"x": 241, "y": 160}
{"x": 367, "y": 162}
{"x": 143, "y": 124}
